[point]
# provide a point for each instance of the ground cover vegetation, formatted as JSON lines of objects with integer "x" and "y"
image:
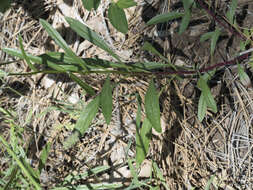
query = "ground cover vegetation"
{"x": 20, "y": 174}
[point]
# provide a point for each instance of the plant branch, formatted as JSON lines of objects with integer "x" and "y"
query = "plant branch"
{"x": 206, "y": 69}
{"x": 220, "y": 20}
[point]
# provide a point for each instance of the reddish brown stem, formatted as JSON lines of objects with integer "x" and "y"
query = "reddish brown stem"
{"x": 220, "y": 20}
{"x": 206, "y": 69}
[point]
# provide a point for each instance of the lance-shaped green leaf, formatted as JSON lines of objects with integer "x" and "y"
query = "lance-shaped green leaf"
{"x": 67, "y": 62}
{"x": 187, "y": 4}
{"x": 91, "y": 4}
{"x": 152, "y": 107}
{"x": 208, "y": 97}
{"x": 206, "y": 36}
{"x": 231, "y": 12}
{"x": 138, "y": 114}
{"x": 143, "y": 137}
{"x": 106, "y": 101}
{"x": 86, "y": 33}
{"x": 185, "y": 21}
{"x": 83, "y": 84}
{"x": 148, "y": 47}
{"x": 118, "y": 18}
{"x": 44, "y": 155}
{"x": 214, "y": 40}
{"x": 124, "y": 4}
{"x": 165, "y": 17}
{"x": 61, "y": 42}
{"x": 32, "y": 67}
{"x": 4, "y": 5}
{"x": 244, "y": 78}
{"x": 83, "y": 123}
{"x": 202, "y": 107}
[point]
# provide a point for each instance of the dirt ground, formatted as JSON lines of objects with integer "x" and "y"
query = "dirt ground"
{"x": 188, "y": 152}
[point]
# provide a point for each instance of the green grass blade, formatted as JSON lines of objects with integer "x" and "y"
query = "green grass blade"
{"x": 106, "y": 100}
{"x": 90, "y": 186}
{"x": 165, "y": 17}
{"x": 187, "y": 4}
{"x": 94, "y": 171}
{"x": 185, "y": 21}
{"x": 210, "y": 181}
{"x": 44, "y": 156}
{"x": 206, "y": 36}
{"x": 83, "y": 123}
{"x": 202, "y": 107}
{"x": 61, "y": 42}
{"x": 138, "y": 114}
{"x": 32, "y": 67}
{"x": 231, "y": 12}
{"x": 83, "y": 84}
{"x": 214, "y": 40}
{"x": 20, "y": 164}
{"x": 152, "y": 107}
{"x": 143, "y": 137}
{"x": 86, "y": 33}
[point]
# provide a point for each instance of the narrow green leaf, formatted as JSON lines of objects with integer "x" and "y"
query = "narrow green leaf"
{"x": 24, "y": 54}
{"x": 202, "y": 107}
{"x": 73, "y": 177}
{"x": 90, "y": 186}
{"x": 106, "y": 100}
{"x": 243, "y": 76}
{"x": 83, "y": 84}
{"x": 159, "y": 174}
{"x": 133, "y": 171}
{"x": 89, "y": 4}
{"x": 165, "y": 17}
{"x": 143, "y": 137}
{"x": 86, "y": 33}
{"x": 208, "y": 97}
{"x": 210, "y": 181}
{"x": 124, "y": 4}
{"x": 67, "y": 63}
{"x": 152, "y": 107}
{"x": 148, "y": 47}
{"x": 83, "y": 123}
{"x": 24, "y": 169}
{"x": 61, "y": 42}
{"x": 44, "y": 156}
{"x": 214, "y": 40}
{"x": 118, "y": 18}
{"x": 185, "y": 21}
{"x": 206, "y": 36}
{"x": 231, "y": 12}
{"x": 138, "y": 114}
{"x": 4, "y": 5}
{"x": 187, "y": 4}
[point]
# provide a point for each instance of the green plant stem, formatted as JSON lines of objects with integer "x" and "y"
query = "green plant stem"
{"x": 239, "y": 58}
